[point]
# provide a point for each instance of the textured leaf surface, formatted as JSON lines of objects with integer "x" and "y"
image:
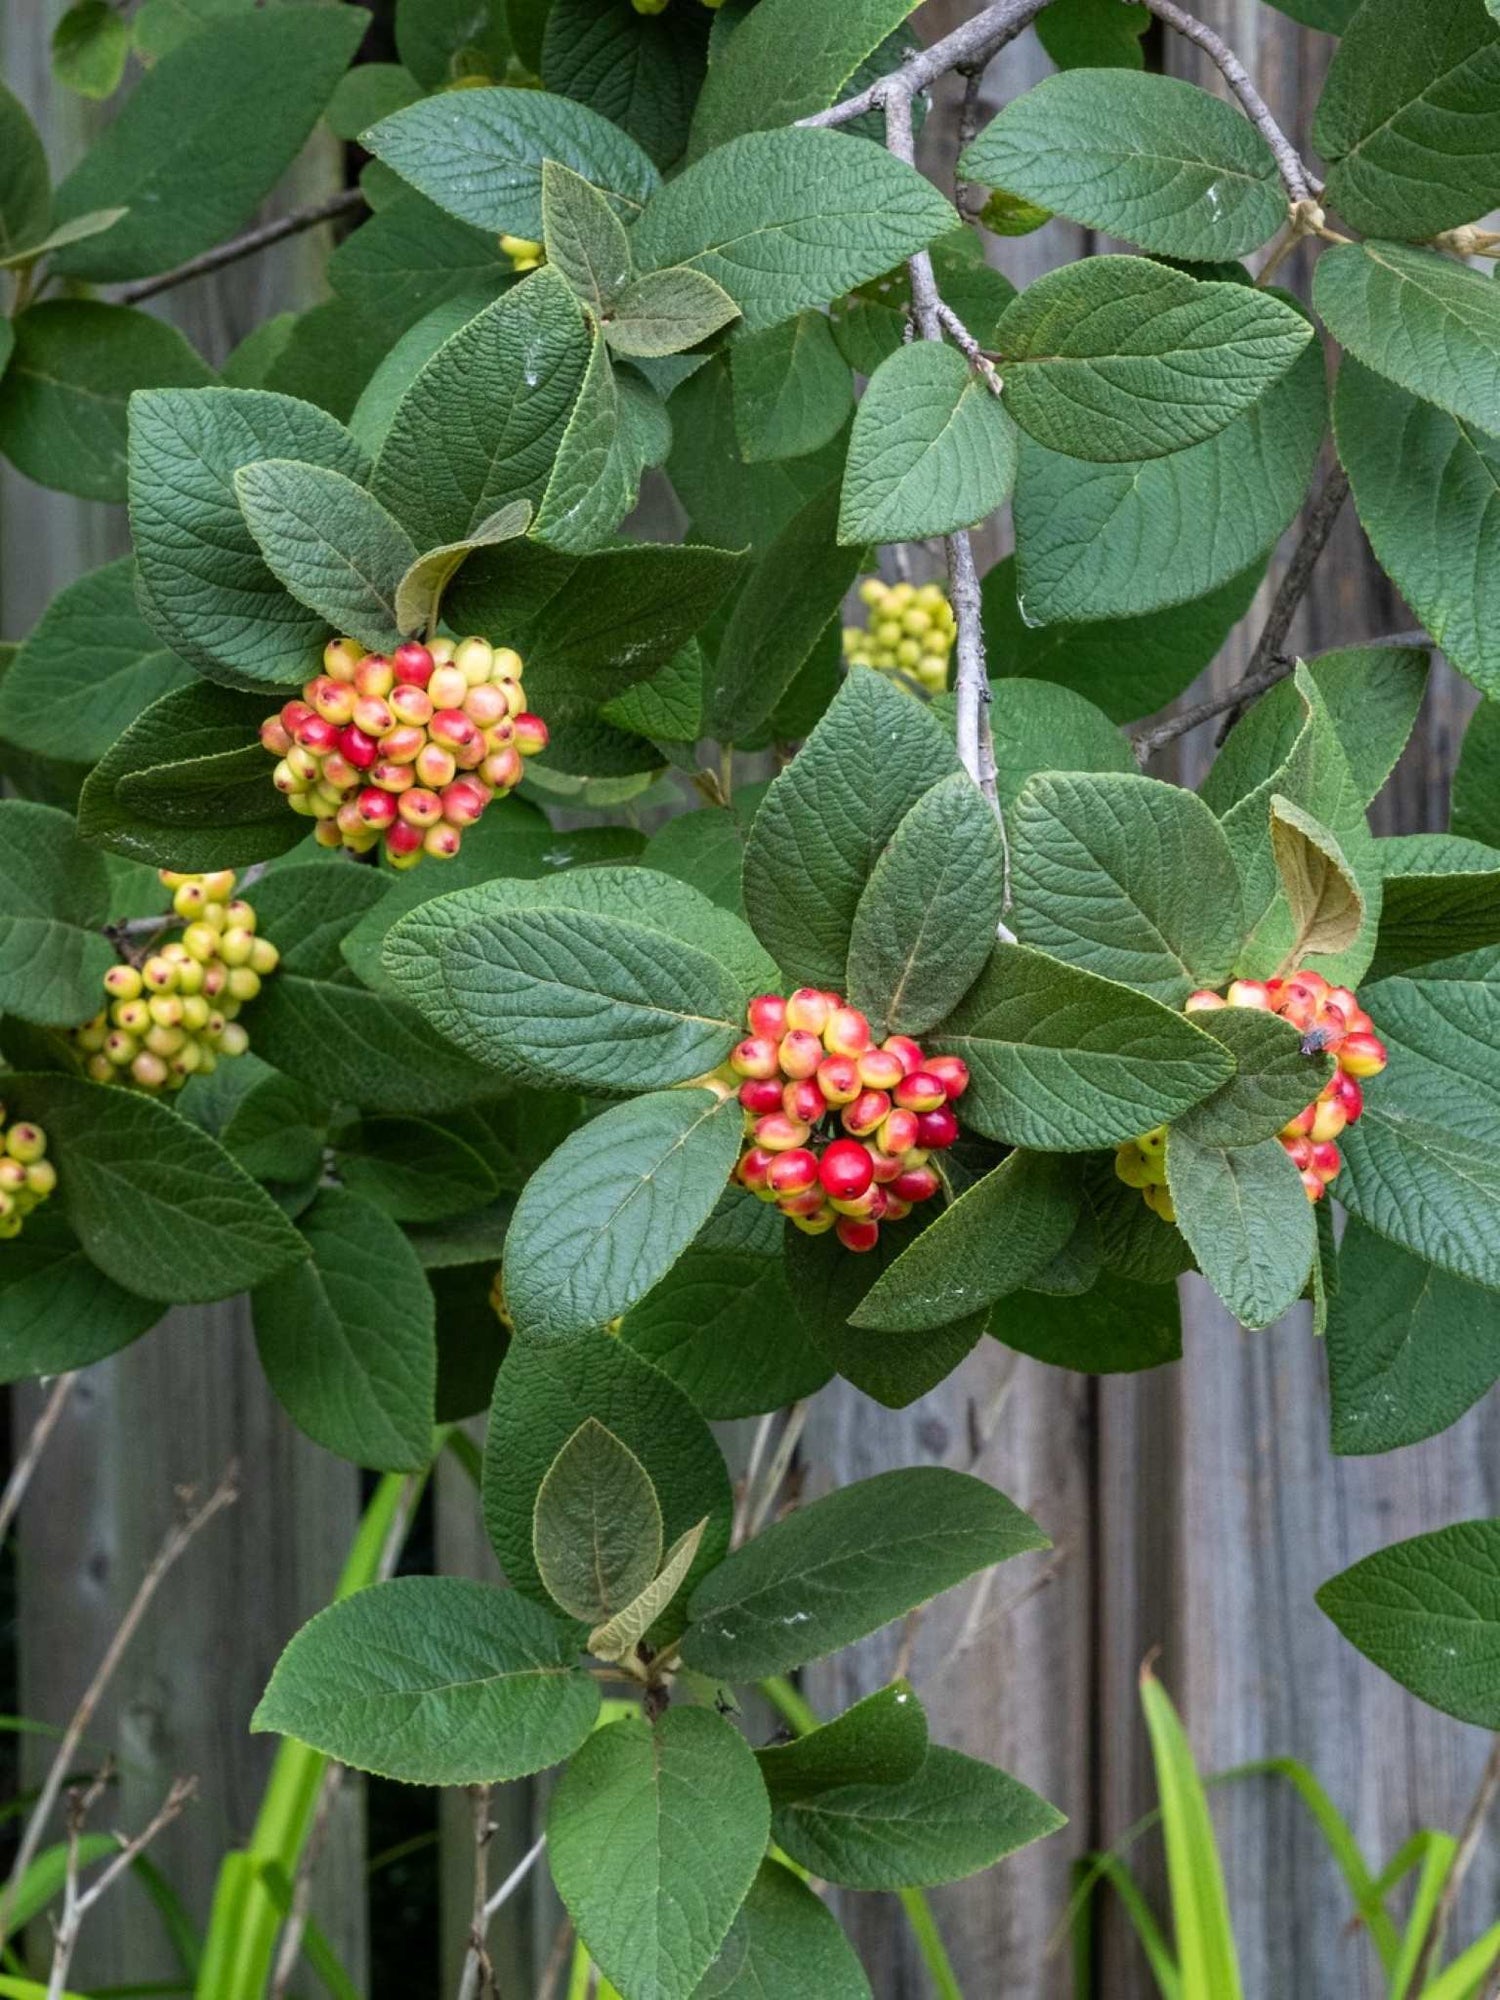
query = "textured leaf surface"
{"x": 584, "y": 235}
{"x": 612, "y": 1210}
{"x": 480, "y": 153}
{"x": 785, "y": 1941}
{"x": 846, "y": 1565}
{"x": 411, "y": 260}
{"x": 614, "y": 1639}
{"x": 54, "y": 896}
{"x": 1442, "y": 897}
{"x": 413, "y": 1170}
{"x": 827, "y": 817}
{"x": 1041, "y": 727}
{"x": 787, "y": 220}
{"x": 347, "y": 1337}
{"x": 25, "y": 186}
{"x": 1066, "y": 1061}
{"x": 793, "y": 60}
{"x": 63, "y": 396}
{"x": 332, "y": 544}
{"x": 1423, "y": 321}
{"x": 361, "y": 1048}
{"x": 1409, "y": 1348}
{"x": 1476, "y": 782}
{"x": 1324, "y": 900}
{"x": 665, "y": 312}
{"x": 722, "y": 1325}
{"x": 1272, "y": 1082}
{"x": 158, "y": 1205}
{"x": 1117, "y": 1327}
{"x": 1427, "y": 1612}
{"x": 596, "y": 1530}
{"x": 1106, "y": 541}
{"x": 1247, "y": 1221}
{"x": 58, "y": 1310}
{"x": 435, "y": 1681}
{"x": 654, "y": 1838}
{"x": 419, "y": 595}
{"x": 954, "y": 1817}
{"x": 1118, "y": 358}
{"x": 881, "y": 1740}
{"x": 1127, "y": 878}
{"x": 1149, "y": 158}
{"x": 792, "y": 390}
{"x": 205, "y": 584}
{"x": 932, "y": 449}
{"x": 543, "y": 1393}
{"x": 266, "y": 79}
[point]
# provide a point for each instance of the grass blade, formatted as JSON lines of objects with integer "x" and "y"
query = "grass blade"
{"x": 1208, "y": 1963}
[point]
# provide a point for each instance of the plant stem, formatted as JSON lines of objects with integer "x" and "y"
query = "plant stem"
{"x": 970, "y": 46}
{"x": 1468, "y": 1846}
{"x": 36, "y": 1444}
{"x": 260, "y": 238}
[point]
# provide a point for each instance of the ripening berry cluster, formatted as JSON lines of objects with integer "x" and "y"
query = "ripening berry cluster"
{"x": 408, "y": 750}
{"x": 173, "y": 1015}
{"x": 839, "y": 1133}
{"x": 1330, "y": 1021}
{"x": 910, "y": 632}
{"x": 26, "y": 1175}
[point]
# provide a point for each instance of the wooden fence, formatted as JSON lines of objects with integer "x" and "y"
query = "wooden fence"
{"x": 1194, "y": 1510}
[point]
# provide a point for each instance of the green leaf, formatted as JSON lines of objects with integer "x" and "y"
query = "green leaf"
{"x": 1326, "y": 905}
{"x": 753, "y": 215}
{"x": 1118, "y": 358}
{"x": 419, "y": 594}
{"x": 1107, "y": 541}
{"x": 406, "y": 262}
{"x": 264, "y": 76}
{"x": 1423, "y": 321}
{"x": 413, "y": 1170}
{"x": 953, "y": 1818}
{"x": 347, "y": 1337}
{"x": 542, "y": 980}
{"x": 881, "y": 1740}
{"x": 792, "y": 391}
{"x": 1476, "y": 782}
{"x": 1148, "y": 158}
{"x": 157, "y": 1205}
{"x": 654, "y": 1837}
{"x": 276, "y": 1131}
{"x": 332, "y": 544}
{"x": 1420, "y": 1165}
{"x": 1117, "y": 1327}
{"x": 995, "y": 1238}
{"x": 160, "y": 25}
{"x": 1425, "y": 484}
{"x": 1442, "y": 897}
{"x": 89, "y": 47}
{"x": 619, "y": 1635}
{"x": 704, "y": 848}
{"x": 433, "y": 1680}
{"x": 482, "y": 422}
{"x": 643, "y": 75}
{"x": 932, "y": 449}
{"x": 1408, "y": 121}
{"x": 364, "y": 95}
{"x": 1041, "y": 727}
{"x": 722, "y": 1325}
{"x": 543, "y": 1393}
{"x": 790, "y": 61}
{"x": 188, "y": 786}
{"x": 446, "y": 41}
{"x": 1410, "y": 1349}
{"x": 667, "y": 311}
{"x": 479, "y": 154}
{"x": 205, "y": 585}
{"x": 1427, "y": 1612}
{"x": 926, "y": 921}
{"x": 1092, "y": 34}
{"x": 87, "y": 669}
{"x": 789, "y": 601}
{"x": 596, "y": 474}
{"x": 596, "y": 1531}
{"x": 614, "y": 1208}
{"x": 590, "y": 626}
{"x": 1247, "y": 1220}
{"x": 1127, "y": 878}
{"x": 361, "y": 1048}
{"x": 846, "y": 1565}
{"x": 54, "y": 900}
{"x": 585, "y": 238}
{"x": 76, "y": 231}
{"x": 827, "y": 818}
{"x": 63, "y": 395}
{"x": 1200, "y": 1908}
{"x": 25, "y": 186}
{"x": 1063, "y": 1060}
{"x": 731, "y": 502}
{"x": 785, "y": 1941}
{"x": 57, "y": 1310}
{"x": 1273, "y": 1080}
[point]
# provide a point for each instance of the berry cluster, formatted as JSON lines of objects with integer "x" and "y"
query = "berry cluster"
{"x": 173, "y": 1015}
{"x": 1330, "y": 1020}
{"x": 407, "y": 750}
{"x": 26, "y": 1176}
{"x": 810, "y": 1065}
{"x": 910, "y": 632}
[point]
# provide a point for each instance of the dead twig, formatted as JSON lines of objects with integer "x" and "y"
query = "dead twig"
{"x": 261, "y": 237}
{"x": 78, "y": 1901}
{"x": 36, "y": 1444}
{"x": 1472, "y": 1832}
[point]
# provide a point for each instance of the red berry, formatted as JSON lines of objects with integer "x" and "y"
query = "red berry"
{"x": 1249, "y": 993}
{"x": 952, "y": 1072}
{"x": 1325, "y": 1161}
{"x": 1329, "y": 1119}
{"x": 485, "y": 706}
{"x": 898, "y": 1134}
{"x": 373, "y": 715}
{"x": 360, "y": 749}
{"x": 804, "y": 1101}
{"x": 760, "y": 1094}
{"x": 411, "y": 705}
{"x": 1299, "y": 1151}
{"x": 809, "y": 1202}
{"x": 402, "y": 840}
{"x": 885, "y": 1166}
{"x": 1203, "y": 1001}
{"x": 808, "y": 1011}
{"x": 895, "y": 1210}
{"x": 317, "y": 735}
{"x": 419, "y": 807}
{"x": 374, "y": 677}
{"x": 754, "y": 1166}
{"x": 793, "y": 1172}
{"x": 838, "y": 1079}
{"x": 391, "y": 776}
{"x": 502, "y": 769}
{"x": 1312, "y": 1185}
{"x": 334, "y": 700}
{"x": 846, "y": 1032}
{"x": 402, "y": 743}
{"x": 767, "y": 1015}
{"x": 757, "y": 1057}
{"x": 532, "y": 736}
{"x": 920, "y": 1090}
{"x": 869, "y": 1110}
{"x": 442, "y": 842}
{"x": 293, "y": 713}
{"x": 413, "y": 664}
{"x": 801, "y": 1052}
{"x": 855, "y": 1235}
{"x": 906, "y": 1049}
{"x": 880, "y": 1069}
{"x": 1363, "y": 1054}
{"x": 1349, "y": 1093}
{"x": 846, "y": 1169}
{"x": 936, "y": 1129}
{"x": 452, "y": 729}
{"x": 463, "y": 802}
{"x": 1301, "y": 1125}
{"x": 779, "y": 1134}
{"x": 376, "y": 808}
{"x": 275, "y": 736}
{"x": 916, "y": 1184}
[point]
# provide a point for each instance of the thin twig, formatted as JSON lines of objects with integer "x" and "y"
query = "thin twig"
{"x": 1299, "y": 184}
{"x": 478, "y": 1976}
{"x": 1463, "y": 1858}
{"x": 36, "y": 1444}
{"x": 77, "y": 1903}
{"x": 557, "y": 1958}
{"x": 174, "y": 1543}
{"x": 513, "y": 1880}
{"x": 967, "y": 198}
{"x": 776, "y": 1471}
{"x": 970, "y": 46}
{"x": 260, "y": 238}
{"x": 741, "y": 1524}
{"x": 973, "y": 353}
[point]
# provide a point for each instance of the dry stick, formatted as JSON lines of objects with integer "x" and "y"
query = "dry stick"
{"x": 971, "y": 45}
{"x": 478, "y": 1976}
{"x": 36, "y": 1444}
{"x": 557, "y": 1958}
{"x": 776, "y": 1471}
{"x": 758, "y": 1443}
{"x": 967, "y": 198}
{"x": 513, "y": 1880}
{"x": 173, "y": 1545}
{"x": 260, "y": 238}
{"x": 1463, "y": 1858}
{"x": 77, "y": 1903}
